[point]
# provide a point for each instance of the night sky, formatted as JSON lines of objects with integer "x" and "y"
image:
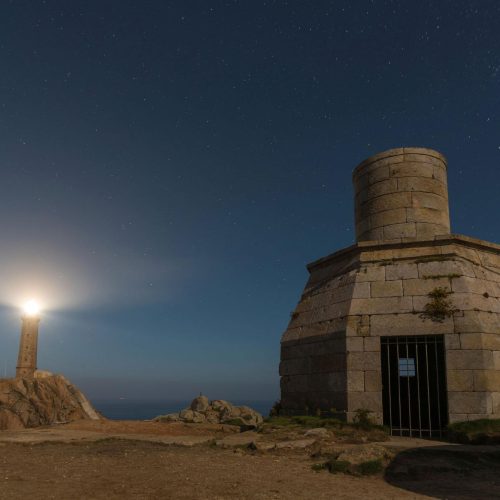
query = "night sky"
{"x": 168, "y": 168}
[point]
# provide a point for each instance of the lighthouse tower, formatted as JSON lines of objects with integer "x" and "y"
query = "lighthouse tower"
{"x": 26, "y": 361}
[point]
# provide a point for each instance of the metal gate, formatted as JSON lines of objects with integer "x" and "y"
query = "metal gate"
{"x": 414, "y": 385}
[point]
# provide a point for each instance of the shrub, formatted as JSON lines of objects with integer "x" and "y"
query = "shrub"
{"x": 370, "y": 467}
{"x": 275, "y": 410}
{"x": 336, "y": 466}
{"x": 482, "y": 431}
{"x": 362, "y": 419}
{"x": 318, "y": 467}
{"x": 439, "y": 308}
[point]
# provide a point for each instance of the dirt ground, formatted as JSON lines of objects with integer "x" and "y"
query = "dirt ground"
{"x": 143, "y": 470}
{"x": 148, "y": 460}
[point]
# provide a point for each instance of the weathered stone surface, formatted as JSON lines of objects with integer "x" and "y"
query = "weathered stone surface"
{"x": 199, "y": 404}
{"x": 371, "y": 344}
{"x": 216, "y": 412}
{"x": 469, "y": 359}
{"x": 368, "y": 400}
{"x": 396, "y": 231}
{"x": 470, "y": 403}
{"x": 373, "y": 380}
{"x": 445, "y": 268}
{"x": 381, "y": 305}
{"x": 355, "y": 380}
{"x": 460, "y": 380}
{"x": 371, "y": 273}
{"x": 394, "y": 216}
{"x": 41, "y": 401}
{"x": 401, "y": 271}
{"x": 424, "y": 286}
{"x": 317, "y": 432}
{"x": 401, "y": 324}
{"x": 387, "y": 288}
{"x": 486, "y": 380}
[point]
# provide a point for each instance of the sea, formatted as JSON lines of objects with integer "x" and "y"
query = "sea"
{"x": 126, "y": 409}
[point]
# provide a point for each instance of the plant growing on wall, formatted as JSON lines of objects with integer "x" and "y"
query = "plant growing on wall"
{"x": 439, "y": 307}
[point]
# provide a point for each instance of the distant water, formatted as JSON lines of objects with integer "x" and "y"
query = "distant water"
{"x": 126, "y": 409}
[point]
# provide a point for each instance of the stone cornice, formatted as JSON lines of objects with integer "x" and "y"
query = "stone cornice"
{"x": 364, "y": 246}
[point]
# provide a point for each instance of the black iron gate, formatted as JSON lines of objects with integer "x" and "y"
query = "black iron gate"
{"x": 414, "y": 385}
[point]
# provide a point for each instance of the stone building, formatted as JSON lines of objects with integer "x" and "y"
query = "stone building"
{"x": 405, "y": 322}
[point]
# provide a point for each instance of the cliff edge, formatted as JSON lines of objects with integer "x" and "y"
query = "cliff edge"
{"x": 46, "y": 399}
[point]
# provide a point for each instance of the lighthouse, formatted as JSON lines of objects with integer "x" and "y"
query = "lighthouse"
{"x": 28, "y": 345}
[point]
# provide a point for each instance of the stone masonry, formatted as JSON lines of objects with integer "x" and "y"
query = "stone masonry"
{"x": 28, "y": 347}
{"x": 330, "y": 352}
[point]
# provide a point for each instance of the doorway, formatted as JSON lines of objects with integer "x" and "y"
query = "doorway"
{"x": 414, "y": 392}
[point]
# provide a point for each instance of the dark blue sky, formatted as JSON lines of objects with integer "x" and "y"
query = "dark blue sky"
{"x": 169, "y": 167}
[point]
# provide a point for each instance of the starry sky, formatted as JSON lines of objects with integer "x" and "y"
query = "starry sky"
{"x": 168, "y": 168}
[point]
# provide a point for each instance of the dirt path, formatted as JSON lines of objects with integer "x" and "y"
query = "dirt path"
{"x": 112, "y": 469}
{"x": 148, "y": 460}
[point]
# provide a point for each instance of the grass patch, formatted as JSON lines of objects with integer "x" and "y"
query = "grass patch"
{"x": 318, "y": 467}
{"x": 308, "y": 421}
{"x": 361, "y": 431}
{"x": 482, "y": 431}
{"x": 338, "y": 466}
{"x": 370, "y": 467}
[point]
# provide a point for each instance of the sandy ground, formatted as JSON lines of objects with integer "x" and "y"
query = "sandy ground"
{"x": 145, "y": 470}
{"x": 147, "y": 460}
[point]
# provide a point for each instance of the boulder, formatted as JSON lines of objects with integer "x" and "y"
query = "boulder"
{"x": 212, "y": 417}
{"x": 199, "y": 404}
{"x": 216, "y": 412}
{"x": 44, "y": 400}
{"x": 192, "y": 417}
{"x": 319, "y": 432}
{"x": 243, "y": 416}
{"x": 220, "y": 405}
{"x": 171, "y": 417}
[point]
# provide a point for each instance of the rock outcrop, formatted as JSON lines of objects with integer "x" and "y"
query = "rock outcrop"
{"x": 215, "y": 412}
{"x": 46, "y": 399}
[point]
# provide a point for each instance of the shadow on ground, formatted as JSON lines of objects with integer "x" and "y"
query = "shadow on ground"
{"x": 453, "y": 472}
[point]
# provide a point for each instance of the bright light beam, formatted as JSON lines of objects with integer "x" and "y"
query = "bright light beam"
{"x": 31, "y": 308}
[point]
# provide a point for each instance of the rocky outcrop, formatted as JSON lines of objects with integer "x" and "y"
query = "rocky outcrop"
{"x": 215, "y": 412}
{"x": 46, "y": 399}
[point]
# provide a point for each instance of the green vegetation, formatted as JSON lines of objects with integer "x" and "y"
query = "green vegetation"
{"x": 308, "y": 421}
{"x": 483, "y": 431}
{"x": 336, "y": 466}
{"x": 439, "y": 276}
{"x": 361, "y": 431}
{"x": 318, "y": 467}
{"x": 433, "y": 258}
{"x": 275, "y": 410}
{"x": 370, "y": 467}
{"x": 362, "y": 419}
{"x": 439, "y": 308}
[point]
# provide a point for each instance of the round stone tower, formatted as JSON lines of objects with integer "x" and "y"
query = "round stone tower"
{"x": 401, "y": 193}
{"x": 28, "y": 347}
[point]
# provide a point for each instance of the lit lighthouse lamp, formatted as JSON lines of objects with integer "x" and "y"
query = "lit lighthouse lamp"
{"x": 26, "y": 361}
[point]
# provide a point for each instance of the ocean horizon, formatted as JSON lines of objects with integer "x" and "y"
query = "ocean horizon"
{"x": 129, "y": 409}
